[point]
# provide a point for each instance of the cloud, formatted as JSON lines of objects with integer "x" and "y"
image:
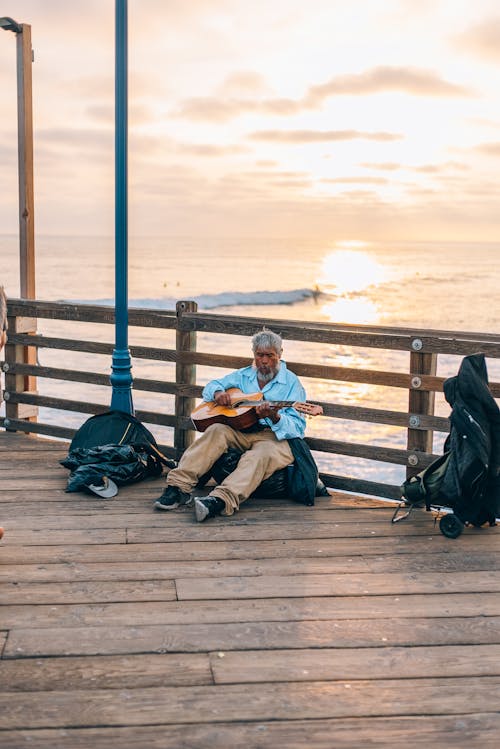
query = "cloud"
{"x": 208, "y": 149}
{"x": 226, "y": 105}
{"x": 356, "y": 180}
{"x": 482, "y": 40}
{"x": 389, "y": 166}
{"x": 414, "y": 81}
{"x": 384, "y": 166}
{"x": 489, "y": 149}
{"x": 243, "y": 82}
{"x": 220, "y": 109}
{"x": 320, "y": 136}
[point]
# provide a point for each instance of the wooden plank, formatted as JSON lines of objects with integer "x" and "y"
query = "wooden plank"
{"x": 273, "y": 586}
{"x": 164, "y": 705}
{"x": 94, "y": 378}
{"x": 111, "y": 672}
{"x": 65, "y": 404}
{"x": 91, "y": 313}
{"x": 293, "y": 329}
{"x": 50, "y": 537}
{"x": 325, "y": 665}
{"x": 225, "y": 530}
{"x": 86, "y": 591}
{"x": 51, "y": 573}
{"x": 435, "y": 636}
{"x": 412, "y": 553}
{"x": 407, "y": 606}
{"x": 368, "y": 336}
{"x": 145, "y": 517}
{"x": 467, "y": 731}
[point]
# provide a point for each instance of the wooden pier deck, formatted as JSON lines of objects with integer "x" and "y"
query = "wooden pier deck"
{"x": 285, "y": 626}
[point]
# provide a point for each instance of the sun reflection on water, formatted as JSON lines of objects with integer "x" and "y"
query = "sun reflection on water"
{"x": 347, "y": 275}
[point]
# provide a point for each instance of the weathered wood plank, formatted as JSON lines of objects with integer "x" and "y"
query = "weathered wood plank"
{"x": 292, "y": 586}
{"x": 85, "y": 591}
{"x": 241, "y": 530}
{"x": 48, "y": 537}
{"x": 321, "y": 665}
{"x": 415, "y": 550}
{"x": 110, "y": 672}
{"x": 421, "y": 636}
{"x": 412, "y": 563}
{"x": 164, "y": 705}
{"x": 463, "y": 732}
{"x": 90, "y": 518}
{"x": 252, "y": 610}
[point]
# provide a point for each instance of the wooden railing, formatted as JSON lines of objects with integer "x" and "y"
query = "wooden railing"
{"x": 421, "y": 381}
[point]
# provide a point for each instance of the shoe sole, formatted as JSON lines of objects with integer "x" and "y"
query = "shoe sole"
{"x": 200, "y": 510}
{"x": 159, "y": 506}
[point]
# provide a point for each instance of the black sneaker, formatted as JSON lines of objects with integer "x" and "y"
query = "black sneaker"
{"x": 207, "y": 508}
{"x": 172, "y": 498}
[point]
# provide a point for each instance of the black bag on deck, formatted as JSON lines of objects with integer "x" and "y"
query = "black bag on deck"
{"x": 466, "y": 477}
{"x": 114, "y": 445}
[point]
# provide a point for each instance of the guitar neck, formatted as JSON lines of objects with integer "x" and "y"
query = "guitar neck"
{"x": 276, "y": 404}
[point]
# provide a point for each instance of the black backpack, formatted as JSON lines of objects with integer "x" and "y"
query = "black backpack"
{"x": 114, "y": 445}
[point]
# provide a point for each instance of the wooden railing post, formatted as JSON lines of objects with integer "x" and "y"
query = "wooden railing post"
{"x": 15, "y": 383}
{"x": 421, "y": 402}
{"x": 185, "y": 374}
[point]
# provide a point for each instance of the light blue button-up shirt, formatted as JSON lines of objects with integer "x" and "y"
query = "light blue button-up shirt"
{"x": 286, "y": 386}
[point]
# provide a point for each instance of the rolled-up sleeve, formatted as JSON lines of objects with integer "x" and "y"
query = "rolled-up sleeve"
{"x": 231, "y": 380}
{"x": 291, "y": 423}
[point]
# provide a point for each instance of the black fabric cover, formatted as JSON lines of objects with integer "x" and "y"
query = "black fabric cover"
{"x": 466, "y": 477}
{"x": 113, "y": 444}
{"x": 111, "y": 428}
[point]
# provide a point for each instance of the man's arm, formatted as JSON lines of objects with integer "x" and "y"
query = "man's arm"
{"x": 219, "y": 386}
{"x": 290, "y": 423}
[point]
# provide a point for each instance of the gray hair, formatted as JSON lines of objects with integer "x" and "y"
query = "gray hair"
{"x": 265, "y": 338}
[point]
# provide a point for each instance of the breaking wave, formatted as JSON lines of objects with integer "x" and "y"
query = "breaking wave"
{"x": 225, "y": 299}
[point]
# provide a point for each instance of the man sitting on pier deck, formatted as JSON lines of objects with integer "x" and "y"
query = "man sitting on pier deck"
{"x": 264, "y": 446}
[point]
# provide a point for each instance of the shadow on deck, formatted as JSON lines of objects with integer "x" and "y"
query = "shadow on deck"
{"x": 283, "y": 626}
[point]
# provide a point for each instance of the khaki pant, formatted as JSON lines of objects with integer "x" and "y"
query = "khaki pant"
{"x": 263, "y": 454}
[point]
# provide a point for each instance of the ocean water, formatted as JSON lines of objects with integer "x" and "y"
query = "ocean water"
{"x": 450, "y": 286}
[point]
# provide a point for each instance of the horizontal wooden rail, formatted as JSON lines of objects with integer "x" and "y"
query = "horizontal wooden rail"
{"x": 353, "y": 413}
{"x": 64, "y": 404}
{"x": 341, "y": 374}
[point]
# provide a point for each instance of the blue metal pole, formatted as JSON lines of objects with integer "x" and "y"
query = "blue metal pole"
{"x": 121, "y": 377}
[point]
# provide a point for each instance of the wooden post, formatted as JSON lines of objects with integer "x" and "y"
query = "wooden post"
{"x": 26, "y": 186}
{"x": 25, "y": 155}
{"x": 185, "y": 374}
{"x": 15, "y": 354}
{"x": 421, "y": 402}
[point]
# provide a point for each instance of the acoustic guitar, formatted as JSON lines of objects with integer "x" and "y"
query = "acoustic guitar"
{"x": 241, "y": 414}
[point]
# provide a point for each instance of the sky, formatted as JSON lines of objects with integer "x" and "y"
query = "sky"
{"x": 359, "y": 120}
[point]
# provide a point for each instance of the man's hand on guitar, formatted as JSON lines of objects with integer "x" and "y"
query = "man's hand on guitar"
{"x": 222, "y": 398}
{"x": 267, "y": 411}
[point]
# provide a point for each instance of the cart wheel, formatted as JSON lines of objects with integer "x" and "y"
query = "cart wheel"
{"x": 451, "y": 526}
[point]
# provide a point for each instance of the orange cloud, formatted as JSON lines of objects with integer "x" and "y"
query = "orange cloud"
{"x": 384, "y": 78}
{"x": 320, "y": 136}
{"x": 482, "y": 40}
{"x": 225, "y": 105}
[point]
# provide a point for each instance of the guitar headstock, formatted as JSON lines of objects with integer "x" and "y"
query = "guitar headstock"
{"x": 309, "y": 409}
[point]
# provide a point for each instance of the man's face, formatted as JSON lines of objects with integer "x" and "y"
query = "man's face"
{"x": 267, "y": 363}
